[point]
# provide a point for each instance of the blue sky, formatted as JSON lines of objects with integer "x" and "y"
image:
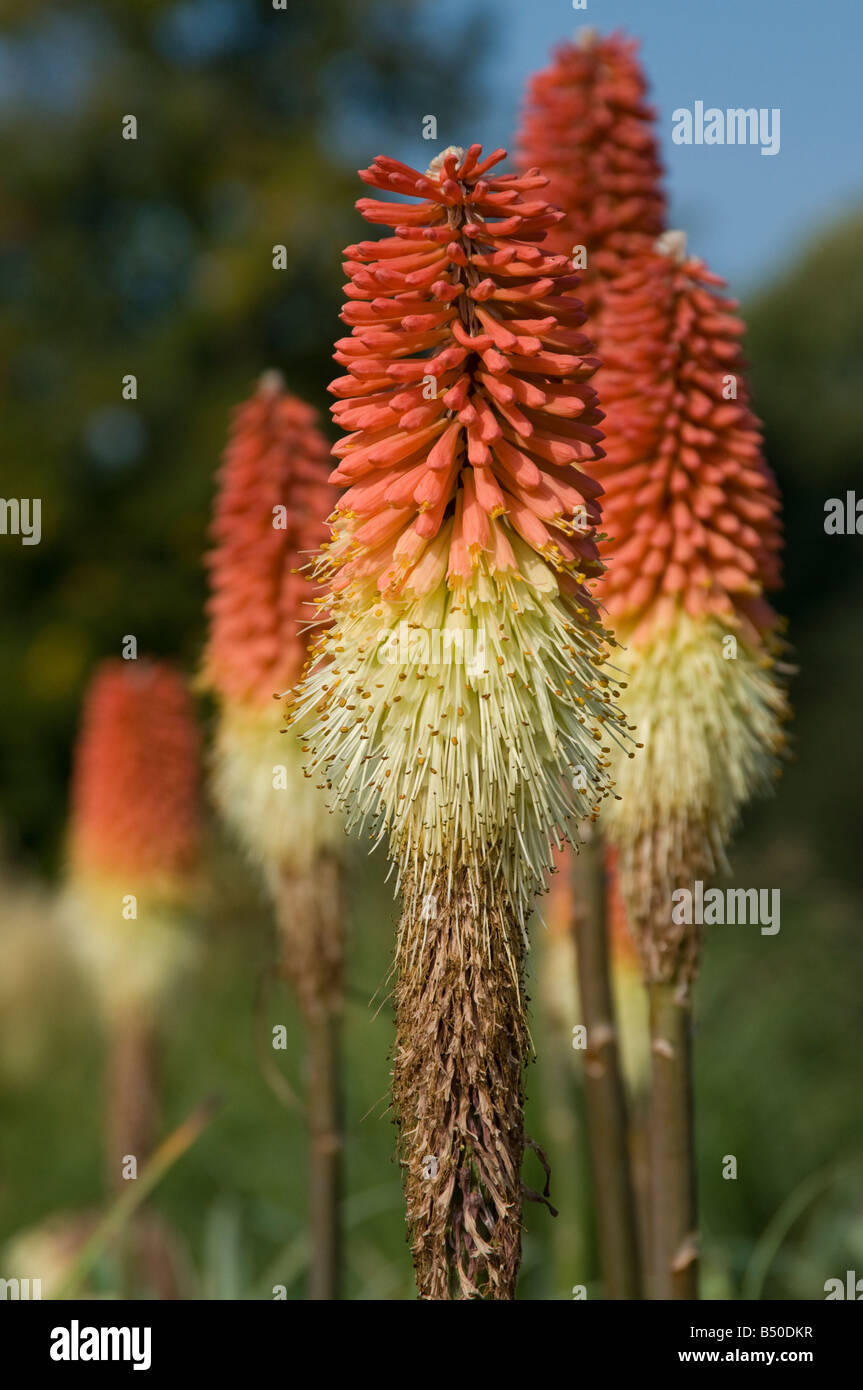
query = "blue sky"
{"x": 745, "y": 213}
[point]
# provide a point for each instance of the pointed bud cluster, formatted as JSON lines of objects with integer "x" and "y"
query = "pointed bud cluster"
{"x": 135, "y": 794}
{"x": 269, "y": 519}
{"x": 588, "y": 127}
{"x": 134, "y": 837}
{"x": 469, "y": 522}
{"x": 692, "y": 512}
{"x": 459, "y": 700}
{"x": 691, "y": 508}
{"x": 269, "y": 516}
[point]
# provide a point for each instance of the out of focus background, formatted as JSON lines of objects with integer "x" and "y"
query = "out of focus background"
{"x": 153, "y": 257}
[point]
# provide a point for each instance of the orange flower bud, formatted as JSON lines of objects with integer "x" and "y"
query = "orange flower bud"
{"x": 587, "y": 126}
{"x": 135, "y": 792}
{"x": 269, "y": 517}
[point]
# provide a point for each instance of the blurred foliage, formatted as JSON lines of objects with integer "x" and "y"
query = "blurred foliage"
{"x": 805, "y": 342}
{"x": 154, "y": 257}
{"x": 778, "y": 1024}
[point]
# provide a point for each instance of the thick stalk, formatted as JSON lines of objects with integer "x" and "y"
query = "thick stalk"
{"x": 130, "y": 1120}
{"x": 561, "y": 1098}
{"x": 325, "y": 1154}
{"x": 312, "y": 940}
{"x": 130, "y": 1107}
{"x": 673, "y": 1214}
{"x": 605, "y": 1093}
{"x": 461, "y": 1041}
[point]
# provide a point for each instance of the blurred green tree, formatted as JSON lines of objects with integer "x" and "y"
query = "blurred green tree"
{"x": 153, "y": 257}
{"x": 805, "y": 342}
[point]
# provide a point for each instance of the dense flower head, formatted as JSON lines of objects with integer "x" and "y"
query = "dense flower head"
{"x": 467, "y": 396}
{"x": 694, "y": 537}
{"x": 691, "y": 507}
{"x": 136, "y": 815}
{"x": 270, "y": 516}
{"x": 587, "y": 125}
{"x": 467, "y": 518}
{"x": 270, "y": 519}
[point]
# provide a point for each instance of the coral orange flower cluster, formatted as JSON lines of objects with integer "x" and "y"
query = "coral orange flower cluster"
{"x": 269, "y": 520}
{"x": 470, "y": 516}
{"x": 588, "y": 127}
{"x": 135, "y": 791}
{"x": 467, "y": 396}
{"x": 270, "y": 515}
{"x": 691, "y": 507}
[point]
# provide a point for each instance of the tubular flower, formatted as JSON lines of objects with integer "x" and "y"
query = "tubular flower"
{"x": 134, "y": 836}
{"x": 462, "y": 673}
{"x": 587, "y": 126}
{"x": 269, "y": 516}
{"x": 692, "y": 511}
{"x": 460, "y": 677}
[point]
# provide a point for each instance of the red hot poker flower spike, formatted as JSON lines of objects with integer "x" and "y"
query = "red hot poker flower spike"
{"x": 466, "y": 379}
{"x": 134, "y": 835}
{"x": 587, "y": 126}
{"x": 135, "y": 795}
{"x": 468, "y": 515}
{"x": 459, "y": 701}
{"x": 270, "y": 515}
{"x": 269, "y": 520}
{"x": 692, "y": 513}
{"x": 691, "y": 507}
